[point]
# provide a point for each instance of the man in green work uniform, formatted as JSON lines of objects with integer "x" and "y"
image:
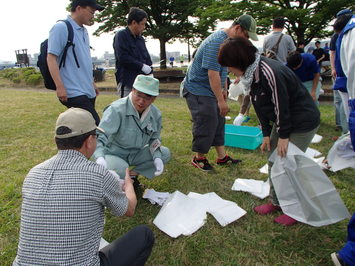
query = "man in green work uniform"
{"x": 132, "y": 128}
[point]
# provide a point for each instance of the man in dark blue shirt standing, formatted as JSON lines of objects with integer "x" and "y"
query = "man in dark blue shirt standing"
{"x": 132, "y": 57}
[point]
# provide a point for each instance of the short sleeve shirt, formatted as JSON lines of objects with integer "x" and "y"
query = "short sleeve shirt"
{"x": 62, "y": 216}
{"x": 308, "y": 68}
{"x": 77, "y": 81}
{"x": 206, "y": 58}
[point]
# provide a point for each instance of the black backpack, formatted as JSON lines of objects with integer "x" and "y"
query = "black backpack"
{"x": 42, "y": 58}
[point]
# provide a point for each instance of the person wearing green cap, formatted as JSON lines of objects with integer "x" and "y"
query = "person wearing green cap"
{"x": 205, "y": 90}
{"x": 132, "y": 128}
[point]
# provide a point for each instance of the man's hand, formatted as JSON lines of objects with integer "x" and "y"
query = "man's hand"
{"x": 314, "y": 95}
{"x": 159, "y": 166}
{"x": 96, "y": 89}
{"x": 225, "y": 94}
{"x": 62, "y": 94}
{"x": 128, "y": 182}
{"x": 282, "y": 146}
{"x": 265, "y": 145}
{"x": 223, "y": 108}
{"x": 101, "y": 161}
{"x": 334, "y": 73}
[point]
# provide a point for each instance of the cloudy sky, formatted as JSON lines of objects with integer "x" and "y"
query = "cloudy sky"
{"x": 24, "y": 24}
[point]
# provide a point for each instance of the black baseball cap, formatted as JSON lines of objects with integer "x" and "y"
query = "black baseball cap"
{"x": 91, "y": 3}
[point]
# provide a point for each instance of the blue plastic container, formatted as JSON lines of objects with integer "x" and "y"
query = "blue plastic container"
{"x": 242, "y": 137}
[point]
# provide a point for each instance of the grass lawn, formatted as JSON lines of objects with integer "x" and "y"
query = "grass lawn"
{"x": 26, "y": 139}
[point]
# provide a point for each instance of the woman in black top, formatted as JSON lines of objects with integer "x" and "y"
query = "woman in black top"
{"x": 285, "y": 109}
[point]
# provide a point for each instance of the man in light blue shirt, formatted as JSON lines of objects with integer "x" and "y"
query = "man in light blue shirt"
{"x": 75, "y": 84}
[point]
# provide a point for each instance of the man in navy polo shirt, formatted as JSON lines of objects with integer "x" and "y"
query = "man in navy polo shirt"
{"x": 306, "y": 68}
{"x": 75, "y": 85}
{"x": 132, "y": 57}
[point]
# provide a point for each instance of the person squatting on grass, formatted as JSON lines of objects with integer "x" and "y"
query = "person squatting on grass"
{"x": 285, "y": 109}
{"x": 205, "y": 90}
{"x": 132, "y": 128}
{"x": 64, "y": 200}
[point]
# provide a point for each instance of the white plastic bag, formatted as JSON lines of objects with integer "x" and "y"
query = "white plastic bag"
{"x": 304, "y": 192}
{"x": 180, "y": 215}
{"x": 336, "y": 159}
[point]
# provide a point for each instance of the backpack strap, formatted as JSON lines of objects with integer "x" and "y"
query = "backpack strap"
{"x": 276, "y": 46}
{"x": 69, "y": 43}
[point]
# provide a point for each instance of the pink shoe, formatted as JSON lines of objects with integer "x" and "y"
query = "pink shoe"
{"x": 285, "y": 220}
{"x": 266, "y": 208}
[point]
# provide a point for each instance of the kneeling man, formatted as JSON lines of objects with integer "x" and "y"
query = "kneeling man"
{"x": 132, "y": 128}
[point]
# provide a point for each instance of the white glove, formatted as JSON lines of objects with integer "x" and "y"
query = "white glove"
{"x": 101, "y": 161}
{"x": 238, "y": 120}
{"x": 159, "y": 166}
{"x": 146, "y": 69}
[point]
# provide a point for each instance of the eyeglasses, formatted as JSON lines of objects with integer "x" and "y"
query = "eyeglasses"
{"x": 144, "y": 96}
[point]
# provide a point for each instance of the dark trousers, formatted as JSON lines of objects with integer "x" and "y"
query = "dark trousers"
{"x": 83, "y": 102}
{"x": 133, "y": 248}
{"x": 208, "y": 124}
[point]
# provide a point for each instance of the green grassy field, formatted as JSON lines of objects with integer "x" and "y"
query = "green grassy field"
{"x": 26, "y": 139}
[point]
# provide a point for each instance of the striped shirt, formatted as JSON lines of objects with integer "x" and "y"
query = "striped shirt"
{"x": 197, "y": 81}
{"x": 62, "y": 215}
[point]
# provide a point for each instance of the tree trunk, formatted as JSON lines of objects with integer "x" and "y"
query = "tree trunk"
{"x": 162, "y": 54}
{"x": 188, "y": 50}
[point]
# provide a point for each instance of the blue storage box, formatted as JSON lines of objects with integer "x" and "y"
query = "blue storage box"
{"x": 242, "y": 137}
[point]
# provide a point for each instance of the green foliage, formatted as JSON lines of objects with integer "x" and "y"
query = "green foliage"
{"x": 167, "y": 20}
{"x": 28, "y": 76}
{"x": 27, "y": 140}
{"x": 34, "y": 79}
{"x": 307, "y": 19}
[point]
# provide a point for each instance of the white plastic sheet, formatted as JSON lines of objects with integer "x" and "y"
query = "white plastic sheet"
{"x": 103, "y": 243}
{"x": 180, "y": 215}
{"x": 224, "y": 211}
{"x": 310, "y": 152}
{"x": 155, "y": 197}
{"x": 258, "y": 188}
{"x": 304, "y": 192}
{"x": 339, "y": 156}
{"x": 316, "y": 139}
{"x": 184, "y": 215}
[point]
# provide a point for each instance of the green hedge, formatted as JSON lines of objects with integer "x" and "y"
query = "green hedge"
{"x": 28, "y": 76}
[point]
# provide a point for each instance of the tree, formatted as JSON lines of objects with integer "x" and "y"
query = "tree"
{"x": 167, "y": 19}
{"x": 306, "y": 19}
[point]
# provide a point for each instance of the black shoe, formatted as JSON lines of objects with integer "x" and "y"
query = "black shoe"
{"x": 136, "y": 184}
{"x": 201, "y": 163}
{"x": 227, "y": 159}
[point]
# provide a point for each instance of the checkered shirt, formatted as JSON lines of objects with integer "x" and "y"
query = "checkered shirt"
{"x": 62, "y": 214}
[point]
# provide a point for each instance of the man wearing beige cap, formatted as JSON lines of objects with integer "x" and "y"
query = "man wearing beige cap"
{"x": 132, "y": 128}
{"x": 64, "y": 199}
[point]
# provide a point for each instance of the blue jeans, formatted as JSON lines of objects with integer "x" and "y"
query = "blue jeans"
{"x": 340, "y": 117}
